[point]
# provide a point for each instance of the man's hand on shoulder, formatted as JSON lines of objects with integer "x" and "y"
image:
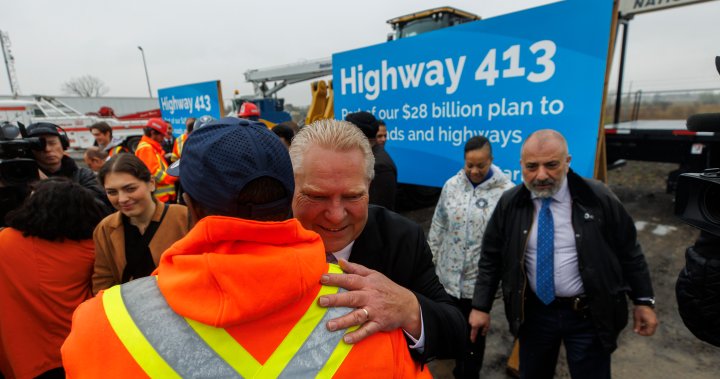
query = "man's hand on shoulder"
{"x": 479, "y": 321}
{"x": 645, "y": 320}
{"x": 381, "y": 304}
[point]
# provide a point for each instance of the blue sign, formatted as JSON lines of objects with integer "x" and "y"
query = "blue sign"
{"x": 177, "y": 104}
{"x": 502, "y": 77}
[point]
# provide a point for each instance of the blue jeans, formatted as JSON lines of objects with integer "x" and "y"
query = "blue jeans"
{"x": 545, "y": 327}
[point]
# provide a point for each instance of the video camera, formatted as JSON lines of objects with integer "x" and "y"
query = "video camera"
{"x": 17, "y": 166}
{"x": 697, "y": 202}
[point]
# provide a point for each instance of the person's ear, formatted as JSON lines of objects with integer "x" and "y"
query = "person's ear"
{"x": 194, "y": 214}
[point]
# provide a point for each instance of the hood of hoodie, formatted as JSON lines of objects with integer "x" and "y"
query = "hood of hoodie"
{"x": 497, "y": 180}
{"x": 222, "y": 271}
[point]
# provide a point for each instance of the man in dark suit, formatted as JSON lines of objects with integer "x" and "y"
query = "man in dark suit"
{"x": 384, "y": 184}
{"x": 391, "y": 281}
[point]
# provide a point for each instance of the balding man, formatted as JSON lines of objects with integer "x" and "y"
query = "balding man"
{"x": 94, "y": 158}
{"x": 567, "y": 254}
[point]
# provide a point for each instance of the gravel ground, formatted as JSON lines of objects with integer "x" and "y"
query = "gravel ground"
{"x": 673, "y": 352}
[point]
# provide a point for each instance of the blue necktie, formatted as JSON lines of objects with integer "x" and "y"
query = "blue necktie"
{"x": 545, "y": 279}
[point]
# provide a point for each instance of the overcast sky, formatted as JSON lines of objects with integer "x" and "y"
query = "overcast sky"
{"x": 187, "y": 42}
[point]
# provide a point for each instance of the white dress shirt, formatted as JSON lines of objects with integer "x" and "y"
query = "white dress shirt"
{"x": 568, "y": 282}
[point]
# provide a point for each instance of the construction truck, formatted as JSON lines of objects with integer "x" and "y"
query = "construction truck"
{"x": 268, "y": 81}
{"x": 73, "y": 122}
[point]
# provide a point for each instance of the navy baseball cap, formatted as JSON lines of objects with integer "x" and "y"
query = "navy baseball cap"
{"x": 42, "y": 129}
{"x": 220, "y": 158}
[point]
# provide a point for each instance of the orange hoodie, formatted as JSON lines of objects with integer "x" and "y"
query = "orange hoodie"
{"x": 256, "y": 280}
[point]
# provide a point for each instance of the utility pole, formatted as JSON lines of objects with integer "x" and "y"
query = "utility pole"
{"x": 146, "y": 71}
{"x": 9, "y": 64}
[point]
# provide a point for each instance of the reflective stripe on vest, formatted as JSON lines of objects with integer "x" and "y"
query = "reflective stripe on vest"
{"x": 164, "y": 344}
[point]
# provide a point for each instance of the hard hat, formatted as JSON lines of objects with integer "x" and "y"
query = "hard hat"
{"x": 200, "y": 122}
{"x": 158, "y": 124}
{"x": 248, "y": 109}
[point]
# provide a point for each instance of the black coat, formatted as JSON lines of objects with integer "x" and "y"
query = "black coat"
{"x": 84, "y": 177}
{"x": 384, "y": 185}
{"x": 610, "y": 260}
{"x": 698, "y": 289}
{"x": 396, "y": 247}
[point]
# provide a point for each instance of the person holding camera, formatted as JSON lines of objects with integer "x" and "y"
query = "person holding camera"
{"x": 698, "y": 289}
{"x": 52, "y": 160}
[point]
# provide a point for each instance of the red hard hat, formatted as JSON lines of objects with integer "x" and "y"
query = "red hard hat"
{"x": 248, "y": 109}
{"x": 158, "y": 124}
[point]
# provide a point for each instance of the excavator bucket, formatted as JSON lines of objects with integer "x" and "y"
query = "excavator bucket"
{"x": 329, "y": 112}
{"x": 319, "y": 100}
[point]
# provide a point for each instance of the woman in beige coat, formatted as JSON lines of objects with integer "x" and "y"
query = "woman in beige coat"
{"x": 129, "y": 242}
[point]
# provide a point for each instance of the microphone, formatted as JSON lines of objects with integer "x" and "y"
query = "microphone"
{"x": 704, "y": 122}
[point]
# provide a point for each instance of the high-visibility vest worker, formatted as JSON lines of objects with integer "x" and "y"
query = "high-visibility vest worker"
{"x": 117, "y": 150}
{"x": 178, "y": 146}
{"x": 233, "y": 298}
{"x": 151, "y": 153}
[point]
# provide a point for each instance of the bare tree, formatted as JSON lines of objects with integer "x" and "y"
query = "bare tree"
{"x": 85, "y": 86}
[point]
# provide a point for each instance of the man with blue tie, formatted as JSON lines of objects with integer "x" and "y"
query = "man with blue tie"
{"x": 566, "y": 251}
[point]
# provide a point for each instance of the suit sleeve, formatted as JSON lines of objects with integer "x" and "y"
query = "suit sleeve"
{"x": 444, "y": 325}
{"x": 490, "y": 263}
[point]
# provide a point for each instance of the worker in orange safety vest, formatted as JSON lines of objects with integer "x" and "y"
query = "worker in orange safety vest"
{"x": 150, "y": 151}
{"x": 180, "y": 141}
{"x": 237, "y": 296}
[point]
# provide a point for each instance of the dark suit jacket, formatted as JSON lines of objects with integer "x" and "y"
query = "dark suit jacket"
{"x": 396, "y": 247}
{"x": 384, "y": 185}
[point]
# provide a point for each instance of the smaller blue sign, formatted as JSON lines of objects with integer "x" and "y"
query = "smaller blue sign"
{"x": 177, "y": 104}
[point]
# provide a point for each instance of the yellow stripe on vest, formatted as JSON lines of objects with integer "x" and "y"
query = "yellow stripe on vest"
{"x": 227, "y": 348}
{"x": 341, "y": 350}
{"x": 246, "y": 365}
{"x": 124, "y": 327}
{"x": 224, "y": 345}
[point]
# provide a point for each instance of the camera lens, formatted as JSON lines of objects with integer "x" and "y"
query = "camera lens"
{"x": 710, "y": 204}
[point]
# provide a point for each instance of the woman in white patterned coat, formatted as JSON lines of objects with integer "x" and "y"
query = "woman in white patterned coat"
{"x": 465, "y": 206}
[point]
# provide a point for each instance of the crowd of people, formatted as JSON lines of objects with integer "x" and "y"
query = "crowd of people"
{"x": 239, "y": 250}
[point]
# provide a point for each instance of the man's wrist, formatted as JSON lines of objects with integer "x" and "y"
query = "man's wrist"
{"x": 413, "y": 325}
{"x": 646, "y": 301}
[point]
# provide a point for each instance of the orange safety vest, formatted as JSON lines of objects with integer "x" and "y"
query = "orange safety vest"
{"x": 117, "y": 150}
{"x": 152, "y": 154}
{"x": 255, "y": 307}
{"x": 178, "y": 147}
